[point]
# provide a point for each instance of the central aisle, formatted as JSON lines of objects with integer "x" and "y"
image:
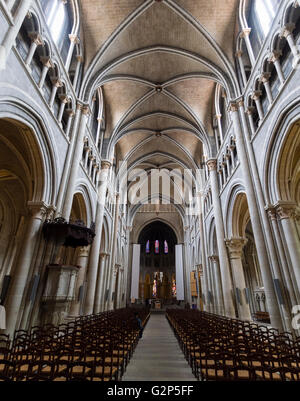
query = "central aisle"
{"x": 158, "y": 356}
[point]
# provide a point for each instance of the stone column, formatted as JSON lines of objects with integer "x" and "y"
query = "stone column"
{"x": 82, "y": 261}
{"x": 78, "y": 65}
{"x": 290, "y": 279}
{"x": 120, "y": 287}
{"x": 114, "y": 250}
{"x": 219, "y": 117}
{"x": 203, "y": 251}
{"x": 223, "y": 258}
{"x": 92, "y": 158}
{"x": 103, "y": 301}
{"x": 13, "y": 31}
{"x": 64, "y": 100}
{"x": 287, "y": 32}
{"x": 235, "y": 247}
{"x": 264, "y": 78}
{"x": 286, "y": 212}
{"x": 47, "y": 64}
{"x": 67, "y": 165}
{"x": 219, "y": 305}
{"x": 259, "y": 237}
{"x": 74, "y": 165}
{"x": 99, "y": 286}
{"x": 265, "y": 224}
{"x": 274, "y": 58}
{"x": 56, "y": 84}
{"x": 94, "y": 257}
{"x": 71, "y": 114}
{"x": 73, "y": 41}
{"x": 20, "y": 275}
{"x": 249, "y": 113}
{"x": 256, "y": 97}
{"x": 36, "y": 40}
{"x": 245, "y": 34}
{"x": 239, "y": 55}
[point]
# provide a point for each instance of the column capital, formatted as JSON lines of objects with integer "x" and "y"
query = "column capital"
{"x": 286, "y": 210}
{"x": 70, "y": 112}
{"x": 84, "y": 252}
{"x": 274, "y": 55}
{"x": 84, "y": 107}
{"x": 105, "y": 164}
{"x": 74, "y": 38}
{"x": 250, "y": 110}
{"x": 47, "y": 62}
{"x": 38, "y": 210}
{"x": 264, "y": 77}
{"x": 64, "y": 98}
{"x": 79, "y": 58}
{"x": 287, "y": 29}
{"x": 56, "y": 82}
{"x": 239, "y": 53}
{"x": 245, "y": 32}
{"x": 102, "y": 255}
{"x": 211, "y": 164}
{"x": 235, "y": 246}
{"x": 233, "y": 106}
{"x": 256, "y": 95}
{"x": 214, "y": 258}
{"x": 36, "y": 37}
{"x": 271, "y": 211}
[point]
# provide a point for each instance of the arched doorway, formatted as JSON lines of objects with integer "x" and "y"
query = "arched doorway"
{"x": 157, "y": 264}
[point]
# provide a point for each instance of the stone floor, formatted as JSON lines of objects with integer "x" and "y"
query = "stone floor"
{"x": 158, "y": 356}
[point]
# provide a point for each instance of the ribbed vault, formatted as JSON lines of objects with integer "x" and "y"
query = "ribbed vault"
{"x": 158, "y": 64}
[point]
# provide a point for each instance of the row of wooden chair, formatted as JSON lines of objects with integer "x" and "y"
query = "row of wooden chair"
{"x": 220, "y": 348}
{"x": 92, "y": 348}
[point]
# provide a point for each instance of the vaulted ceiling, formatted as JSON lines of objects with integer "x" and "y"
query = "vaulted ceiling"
{"x": 158, "y": 64}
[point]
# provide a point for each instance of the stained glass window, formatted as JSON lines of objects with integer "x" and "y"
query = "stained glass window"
{"x": 148, "y": 246}
{"x": 156, "y": 246}
{"x": 166, "y": 248}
